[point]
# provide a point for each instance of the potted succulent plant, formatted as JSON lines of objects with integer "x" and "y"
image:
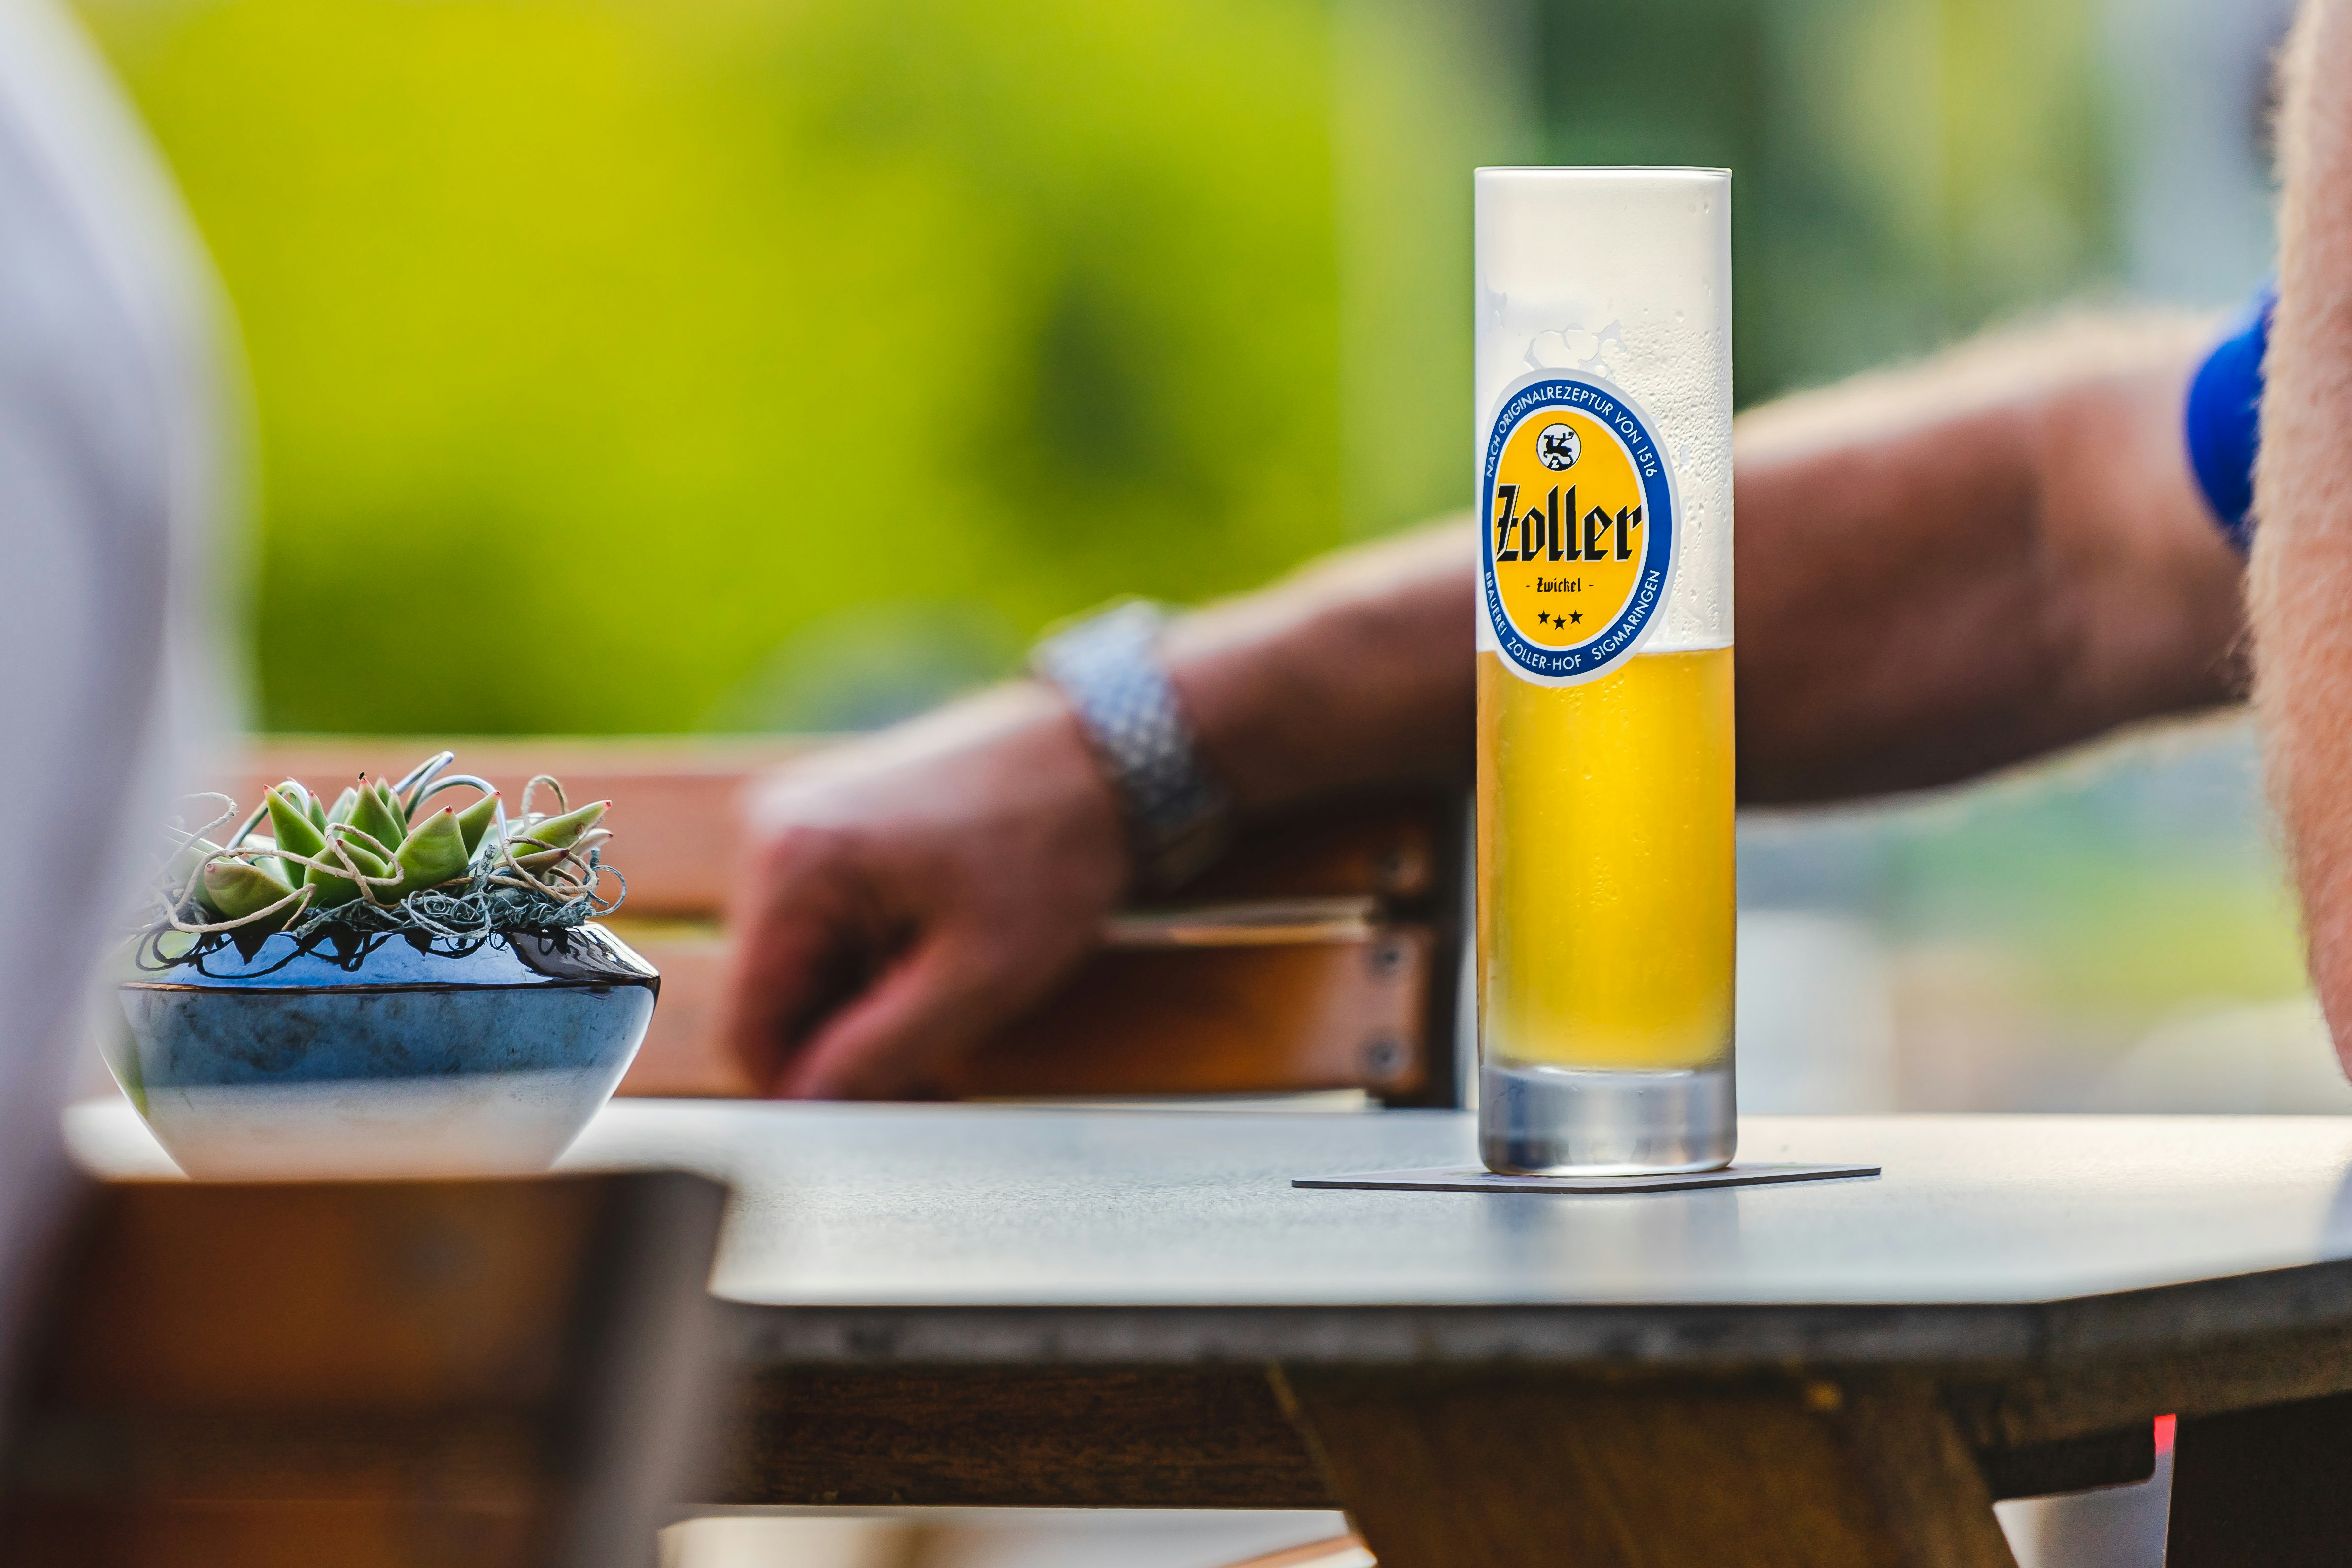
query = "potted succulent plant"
{"x": 388, "y": 982}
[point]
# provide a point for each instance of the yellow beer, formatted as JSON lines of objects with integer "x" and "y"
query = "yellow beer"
{"x": 1605, "y": 866}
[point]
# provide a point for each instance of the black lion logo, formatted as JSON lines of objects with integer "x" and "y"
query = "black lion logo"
{"x": 1559, "y": 448}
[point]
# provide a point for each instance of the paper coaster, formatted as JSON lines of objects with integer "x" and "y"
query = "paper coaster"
{"x": 1470, "y": 1179}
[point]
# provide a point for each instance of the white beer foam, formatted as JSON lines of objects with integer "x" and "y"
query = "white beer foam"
{"x": 1623, "y": 275}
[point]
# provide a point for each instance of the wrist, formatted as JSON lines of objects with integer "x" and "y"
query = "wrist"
{"x": 1053, "y": 750}
{"x": 2146, "y": 591}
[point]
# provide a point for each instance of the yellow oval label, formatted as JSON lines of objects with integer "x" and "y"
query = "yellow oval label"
{"x": 1579, "y": 548}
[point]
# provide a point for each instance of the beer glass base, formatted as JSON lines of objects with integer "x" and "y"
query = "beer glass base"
{"x": 1569, "y": 1122}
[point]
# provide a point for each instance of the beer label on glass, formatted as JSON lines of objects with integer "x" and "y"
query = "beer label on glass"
{"x": 1580, "y": 529}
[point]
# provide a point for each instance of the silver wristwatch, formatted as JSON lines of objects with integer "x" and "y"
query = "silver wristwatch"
{"x": 1107, "y": 667}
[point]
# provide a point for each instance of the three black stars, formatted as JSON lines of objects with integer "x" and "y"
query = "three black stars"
{"x": 1546, "y": 619}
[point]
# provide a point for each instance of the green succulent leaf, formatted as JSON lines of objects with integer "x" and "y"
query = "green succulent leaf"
{"x": 183, "y": 865}
{"x": 377, "y": 814}
{"x": 239, "y": 889}
{"x": 550, "y": 839}
{"x": 296, "y": 833}
{"x": 345, "y": 804}
{"x": 335, "y": 891}
{"x": 268, "y": 861}
{"x": 434, "y": 854}
{"x": 476, "y": 819}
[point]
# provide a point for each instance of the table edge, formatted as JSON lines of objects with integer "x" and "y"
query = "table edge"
{"x": 2157, "y": 1320}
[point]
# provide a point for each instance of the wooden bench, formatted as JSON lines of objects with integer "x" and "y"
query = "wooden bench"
{"x": 1321, "y": 953}
{"x": 392, "y": 1374}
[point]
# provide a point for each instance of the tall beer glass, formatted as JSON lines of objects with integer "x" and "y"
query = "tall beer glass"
{"x": 1605, "y": 880}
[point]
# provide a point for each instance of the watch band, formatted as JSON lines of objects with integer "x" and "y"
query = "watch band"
{"x": 1108, "y": 666}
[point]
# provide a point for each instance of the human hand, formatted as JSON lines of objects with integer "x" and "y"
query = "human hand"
{"x": 907, "y": 894}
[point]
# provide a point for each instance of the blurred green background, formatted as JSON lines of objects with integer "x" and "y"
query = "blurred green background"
{"x": 754, "y": 364}
{"x": 784, "y": 364}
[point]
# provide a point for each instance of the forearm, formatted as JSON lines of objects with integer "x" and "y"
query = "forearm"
{"x": 1953, "y": 567}
{"x": 1939, "y": 570}
{"x": 2302, "y": 571}
{"x": 1358, "y": 672}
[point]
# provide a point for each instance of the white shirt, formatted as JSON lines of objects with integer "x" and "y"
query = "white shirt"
{"x": 112, "y": 481}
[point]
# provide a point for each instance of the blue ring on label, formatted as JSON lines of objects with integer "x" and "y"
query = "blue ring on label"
{"x": 1574, "y": 663}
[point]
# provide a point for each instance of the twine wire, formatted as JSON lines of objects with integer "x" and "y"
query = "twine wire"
{"x": 551, "y": 782}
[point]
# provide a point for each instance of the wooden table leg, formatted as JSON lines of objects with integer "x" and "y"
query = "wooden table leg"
{"x": 2266, "y": 1486}
{"x": 1534, "y": 1472}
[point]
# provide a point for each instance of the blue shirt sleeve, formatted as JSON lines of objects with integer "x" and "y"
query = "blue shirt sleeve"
{"x": 2224, "y": 418}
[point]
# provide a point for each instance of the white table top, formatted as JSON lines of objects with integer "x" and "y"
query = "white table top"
{"x": 968, "y": 1232}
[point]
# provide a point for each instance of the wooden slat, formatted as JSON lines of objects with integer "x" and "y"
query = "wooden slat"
{"x": 308, "y": 1297}
{"x": 1222, "y": 1020}
{"x": 1388, "y": 846}
{"x": 469, "y": 1455}
{"x": 1208, "y": 1437}
{"x": 490, "y": 1374}
{"x": 346, "y": 1535}
{"x": 683, "y": 1056}
{"x": 1275, "y": 1019}
{"x": 1203, "y": 1438}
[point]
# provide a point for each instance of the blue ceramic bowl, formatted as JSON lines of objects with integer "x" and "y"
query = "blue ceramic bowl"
{"x": 382, "y": 1055}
